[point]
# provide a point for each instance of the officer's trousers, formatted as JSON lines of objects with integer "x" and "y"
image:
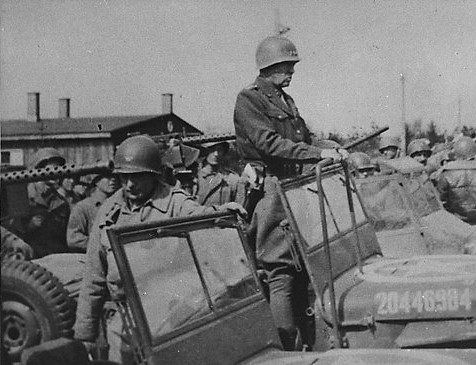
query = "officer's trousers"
{"x": 289, "y": 300}
{"x": 288, "y": 287}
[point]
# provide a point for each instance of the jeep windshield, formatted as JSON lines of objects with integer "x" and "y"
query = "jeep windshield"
{"x": 409, "y": 218}
{"x": 386, "y": 202}
{"x": 183, "y": 274}
{"x": 302, "y": 196}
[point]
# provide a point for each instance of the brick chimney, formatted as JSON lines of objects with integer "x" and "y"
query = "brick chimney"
{"x": 64, "y": 108}
{"x": 33, "y": 107}
{"x": 167, "y": 104}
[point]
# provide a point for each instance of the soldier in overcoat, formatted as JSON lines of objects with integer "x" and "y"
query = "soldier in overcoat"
{"x": 143, "y": 197}
{"x": 83, "y": 213}
{"x": 217, "y": 184}
{"x": 46, "y": 228}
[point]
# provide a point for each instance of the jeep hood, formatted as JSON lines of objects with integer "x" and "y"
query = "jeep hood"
{"x": 366, "y": 356}
{"x": 417, "y": 288}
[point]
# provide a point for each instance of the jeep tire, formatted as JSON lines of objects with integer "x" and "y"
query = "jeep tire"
{"x": 35, "y": 307}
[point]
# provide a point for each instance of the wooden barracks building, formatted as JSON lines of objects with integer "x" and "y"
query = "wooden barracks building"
{"x": 82, "y": 140}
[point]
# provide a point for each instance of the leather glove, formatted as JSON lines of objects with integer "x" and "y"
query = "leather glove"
{"x": 343, "y": 152}
{"x": 234, "y": 207}
{"x": 332, "y": 154}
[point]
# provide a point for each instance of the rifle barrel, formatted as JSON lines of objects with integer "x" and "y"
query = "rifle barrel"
{"x": 366, "y": 138}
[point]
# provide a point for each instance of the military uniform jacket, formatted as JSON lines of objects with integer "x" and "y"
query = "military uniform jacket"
{"x": 81, "y": 221}
{"x": 101, "y": 277}
{"x": 457, "y": 188}
{"x": 217, "y": 188}
{"x": 51, "y": 236}
{"x": 270, "y": 131}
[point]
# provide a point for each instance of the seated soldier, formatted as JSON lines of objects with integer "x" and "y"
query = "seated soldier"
{"x": 361, "y": 165}
{"x": 389, "y": 148}
{"x": 419, "y": 149}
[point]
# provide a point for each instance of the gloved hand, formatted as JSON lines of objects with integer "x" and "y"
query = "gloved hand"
{"x": 343, "y": 152}
{"x": 234, "y": 207}
{"x": 336, "y": 155}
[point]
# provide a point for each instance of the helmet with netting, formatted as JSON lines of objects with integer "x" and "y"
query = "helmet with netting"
{"x": 360, "y": 161}
{"x": 419, "y": 145}
{"x": 388, "y": 141}
{"x": 464, "y": 148}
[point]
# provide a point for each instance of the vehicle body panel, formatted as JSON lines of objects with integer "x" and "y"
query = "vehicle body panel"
{"x": 375, "y": 297}
{"x": 408, "y": 216}
{"x": 369, "y": 357}
{"x": 192, "y": 292}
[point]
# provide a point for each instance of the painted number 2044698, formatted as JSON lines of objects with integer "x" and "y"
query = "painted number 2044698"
{"x": 439, "y": 300}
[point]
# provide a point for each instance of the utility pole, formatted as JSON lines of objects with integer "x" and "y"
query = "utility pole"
{"x": 403, "y": 142}
{"x": 279, "y": 29}
{"x": 460, "y": 126}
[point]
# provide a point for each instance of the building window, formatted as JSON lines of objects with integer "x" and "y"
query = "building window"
{"x": 12, "y": 157}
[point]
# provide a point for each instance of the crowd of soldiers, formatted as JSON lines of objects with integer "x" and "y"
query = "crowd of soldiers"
{"x": 62, "y": 211}
{"x": 272, "y": 141}
{"x": 450, "y": 166}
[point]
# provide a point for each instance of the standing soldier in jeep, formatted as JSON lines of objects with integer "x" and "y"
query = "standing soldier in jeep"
{"x": 457, "y": 181}
{"x": 143, "y": 197}
{"x": 275, "y": 142}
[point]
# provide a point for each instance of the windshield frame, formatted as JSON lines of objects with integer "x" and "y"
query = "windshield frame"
{"x": 119, "y": 237}
{"x": 402, "y": 182}
{"x": 289, "y": 184}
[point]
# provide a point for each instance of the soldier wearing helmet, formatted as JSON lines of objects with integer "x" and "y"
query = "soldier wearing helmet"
{"x": 457, "y": 181}
{"x": 389, "y": 147}
{"x": 181, "y": 166}
{"x": 83, "y": 213}
{"x": 440, "y": 156}
{"x": 274, "y": 142}
{"x": 419, "y": 149}
{"x": 361, "y": 164}
{"x": 144, "y": 196}
{"x": 464, "y": 148}
{"x": 46, "y": 228}
{"x": 217, "y": 184}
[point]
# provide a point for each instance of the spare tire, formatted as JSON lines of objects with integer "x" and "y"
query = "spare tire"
{"x": 35, "y": 307}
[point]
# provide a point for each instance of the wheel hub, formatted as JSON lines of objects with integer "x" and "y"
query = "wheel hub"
{"x": 20, "y": 327}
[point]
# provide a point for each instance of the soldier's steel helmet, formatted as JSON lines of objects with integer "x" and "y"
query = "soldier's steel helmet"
{"x": 180, "y": 157}
{"x": 464, "y": 148}
{"x": 418, "y": 145}
{"x": 360, "y": 160}
{"x": 44, "y": 156}
{"x": 388, "y": 141}
{"x": 275, "y": 49}
{"x": 137, "y": 154}
{"x": 211, "y": 146}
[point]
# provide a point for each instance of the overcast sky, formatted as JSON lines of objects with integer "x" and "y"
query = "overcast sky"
{"x": 117, "y": 57}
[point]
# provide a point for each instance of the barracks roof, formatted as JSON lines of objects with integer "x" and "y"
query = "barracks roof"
{"x": 77, "y": 126}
